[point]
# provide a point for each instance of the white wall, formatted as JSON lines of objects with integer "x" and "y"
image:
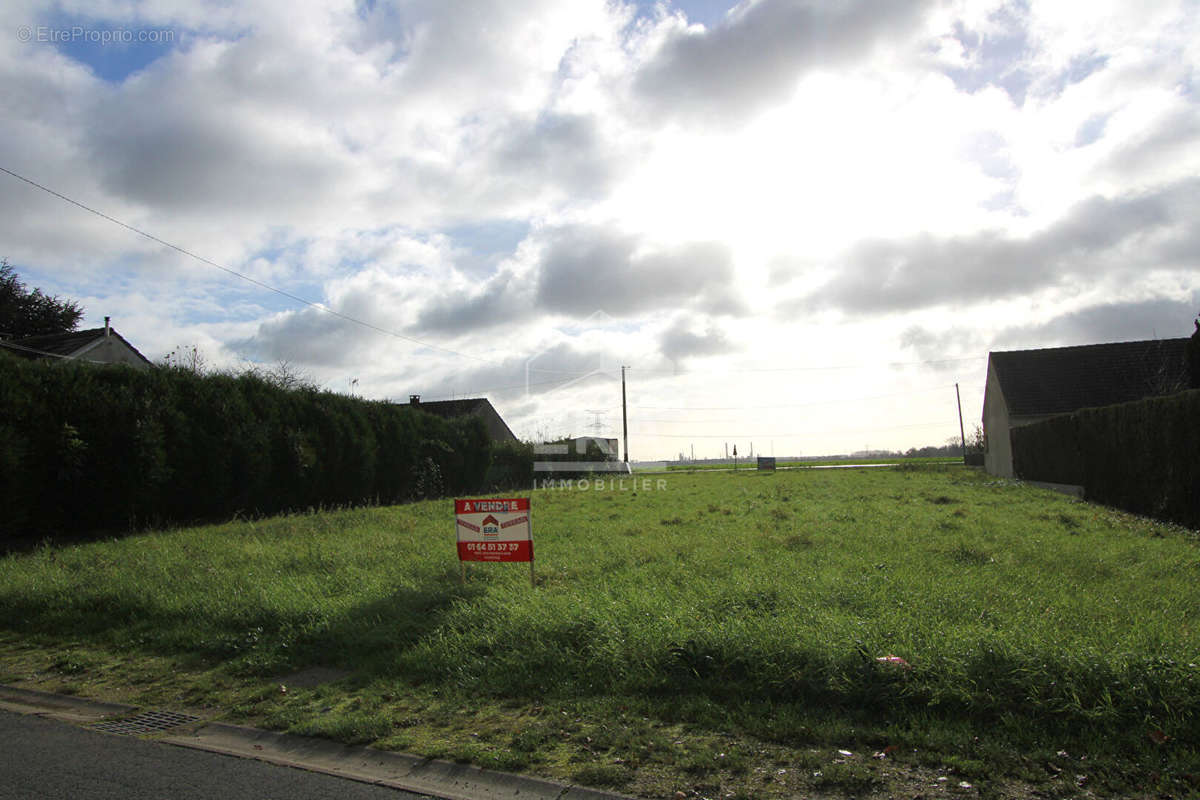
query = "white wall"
{"x": 997, "y": 458}
{"x": 112, "y": 351}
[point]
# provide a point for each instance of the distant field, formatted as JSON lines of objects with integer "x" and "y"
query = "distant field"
{"x": 723, "y": 632}
{"x": 752, "y": 464}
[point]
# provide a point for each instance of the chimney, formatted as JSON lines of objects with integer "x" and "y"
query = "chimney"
{"x": 107, "y": 329}
{"x": 414, "y": 399}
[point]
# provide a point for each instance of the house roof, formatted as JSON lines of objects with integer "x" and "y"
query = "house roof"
{"x": 1059, "y": 380}
{"x": 66, "y": 345}
{"x": 449, "y": 409}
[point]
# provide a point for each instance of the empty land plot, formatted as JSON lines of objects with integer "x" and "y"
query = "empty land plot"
{"x": 702, "y": 633}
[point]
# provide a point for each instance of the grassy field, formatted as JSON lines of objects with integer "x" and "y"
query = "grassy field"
{"x": 750, "y": 464}
{"x": 714, "y": 634}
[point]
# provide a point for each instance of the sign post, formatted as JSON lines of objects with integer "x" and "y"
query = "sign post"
{"x": 494, "y": 529}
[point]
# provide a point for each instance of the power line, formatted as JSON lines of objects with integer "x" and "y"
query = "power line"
{"x": 388, "y": 332}
{"x": 242, "y": 276}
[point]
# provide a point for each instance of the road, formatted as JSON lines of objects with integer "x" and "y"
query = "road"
{"x": 46, "y": 760}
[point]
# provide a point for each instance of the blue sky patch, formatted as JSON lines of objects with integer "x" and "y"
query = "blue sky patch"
{"x": 487, "y": 243}
{"x": 113, "y": 50}
{"x": 707, "y": 12}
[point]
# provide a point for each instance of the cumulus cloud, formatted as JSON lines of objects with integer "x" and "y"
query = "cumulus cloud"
{"x": 1134, "y": 320}
{"x": 500, "y": 301}
{"x": 757, "y": 54}
{"x": 1097, "y": 237}
{"x": 561, "y": 152}
{"x": 1167, "y": 144}
{"x": 681, "y": 341}
{"x": 584, "y": 269}
{"x": 1117, "y": 321}
{"x": 941, "y": 346}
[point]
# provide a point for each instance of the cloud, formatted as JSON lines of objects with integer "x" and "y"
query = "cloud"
{"x": 757, "y": 54}
{"x": 1117, "y": 321}
{"x": 679, "y": 341}
{"x": 1167, "y": 144}
{"x": 1096, "y": 238}
{"x": 383, "y": 293}
{"x": 477, "y": 54}
{"x": 1136, "y": 320}
{"x": 563, "y": 152}
{"x": 584, "y": 269}
{"x": 189, "y": 158}
{"x": 995, "y": 55}
{"x": 941, "y": 347}
{"x": 500, "y": 301}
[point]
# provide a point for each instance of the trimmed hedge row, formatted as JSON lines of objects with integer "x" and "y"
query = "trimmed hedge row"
{"x": 1143, "y": 456}
{"x": 87, "y": 448}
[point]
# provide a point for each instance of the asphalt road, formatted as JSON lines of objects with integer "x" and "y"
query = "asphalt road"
{"x": 42, "y": 759}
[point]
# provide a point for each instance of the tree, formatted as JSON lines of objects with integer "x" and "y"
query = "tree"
{"x": 977, "y": 443}
{"x": 25, "y": 313}
{"x": 285, "y": 375}
{"x": 187, "y": 359}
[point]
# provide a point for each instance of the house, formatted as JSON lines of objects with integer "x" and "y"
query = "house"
{"x": 474, "y": 407}
{"x": 95, "y": 345}
{"x": 1027, "y": 386}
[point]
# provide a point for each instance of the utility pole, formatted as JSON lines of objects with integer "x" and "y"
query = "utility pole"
{"x": 962, "y": 436}
{"x": 624, "y": 416}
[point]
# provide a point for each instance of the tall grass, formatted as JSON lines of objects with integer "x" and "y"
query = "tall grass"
{"x": 1009, "y": 606}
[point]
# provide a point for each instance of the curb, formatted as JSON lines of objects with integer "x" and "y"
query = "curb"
{"x": 441, "y": 779}
{"x": 62, "y": 707}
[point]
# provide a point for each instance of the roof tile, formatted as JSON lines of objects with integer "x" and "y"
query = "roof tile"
{"x": 1059, "y": 380}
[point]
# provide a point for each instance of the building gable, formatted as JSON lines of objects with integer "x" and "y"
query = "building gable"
{"x": 480, "y": 407}
{"x": 99, "y": 345}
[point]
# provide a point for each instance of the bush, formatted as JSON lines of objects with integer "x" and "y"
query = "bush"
{"x": 1140, "y": 456}
{"x": 511, "y": 467}
{"x": 86, "y": 448}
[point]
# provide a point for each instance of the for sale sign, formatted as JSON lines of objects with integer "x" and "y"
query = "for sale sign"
{"x": 494, "y": 529}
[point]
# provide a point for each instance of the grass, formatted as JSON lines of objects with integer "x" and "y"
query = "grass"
{"x": 719, "y": 636}
{"x": 748, "y": 464}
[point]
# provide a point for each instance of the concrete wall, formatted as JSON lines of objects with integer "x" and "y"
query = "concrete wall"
{"x": 997, "y": 457}
{"x": 997, "y": 424}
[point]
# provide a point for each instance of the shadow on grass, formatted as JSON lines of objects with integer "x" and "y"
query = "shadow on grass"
{"x": 250, "y": 640}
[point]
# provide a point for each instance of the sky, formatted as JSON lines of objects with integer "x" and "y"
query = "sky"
{"x": 798, "y": 224}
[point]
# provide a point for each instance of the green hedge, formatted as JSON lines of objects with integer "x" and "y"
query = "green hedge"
{"x": 87, "y": 448}
{"x": 1143, "y": 456}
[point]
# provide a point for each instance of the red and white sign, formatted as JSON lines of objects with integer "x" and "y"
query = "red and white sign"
{"x": 494, "y": 529}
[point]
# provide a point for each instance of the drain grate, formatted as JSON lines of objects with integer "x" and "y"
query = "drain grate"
{"x": 146, "y": 722}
